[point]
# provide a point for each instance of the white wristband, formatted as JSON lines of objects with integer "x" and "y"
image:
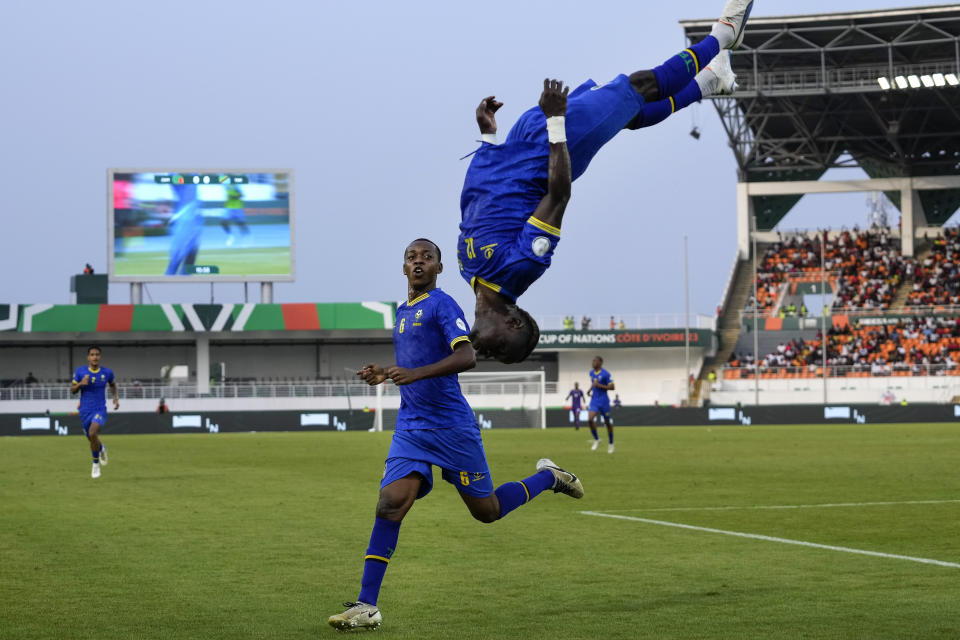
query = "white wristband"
{"x": 556, "y": 129}
{"x": 490, "y": 138}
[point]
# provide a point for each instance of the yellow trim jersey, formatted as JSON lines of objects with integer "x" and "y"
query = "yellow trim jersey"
{"x": 426, "y": 330}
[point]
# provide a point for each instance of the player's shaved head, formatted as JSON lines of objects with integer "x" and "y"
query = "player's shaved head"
{"x": 435, "y": 246}
{"x": 509, "y": 338}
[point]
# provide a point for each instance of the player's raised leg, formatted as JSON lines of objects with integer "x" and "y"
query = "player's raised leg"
{"x": 674, "y": 75}
{"x": 511, "y": 495}
{"x": 716, "y": 79}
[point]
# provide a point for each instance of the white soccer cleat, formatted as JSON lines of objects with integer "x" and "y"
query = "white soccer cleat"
{"x": 610, "y": 448}
{"x": 726, "y": 78}
{"x": 95, "y": 472}
{"x": 359, "y": 615}
{"x": 735, "y": 15}
{"x": 594, "y": 444}
{"x": 230, "y": 240}
{"x": 563, "y": 480}
{"x": 103, "y": 454}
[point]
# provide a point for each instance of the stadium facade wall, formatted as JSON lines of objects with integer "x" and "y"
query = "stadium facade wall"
{"x": 641, "y": 376}
{"x": 940, "y": 389}
{"x": 144, "y": 362}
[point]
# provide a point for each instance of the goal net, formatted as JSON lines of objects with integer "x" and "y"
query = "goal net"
{"x": 506, "y": 399}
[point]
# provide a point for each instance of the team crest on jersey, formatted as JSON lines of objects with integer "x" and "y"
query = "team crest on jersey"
{"x": 417, "y": 315}
{"x": 477, "y": 476}
{"x": 461, "y": 324}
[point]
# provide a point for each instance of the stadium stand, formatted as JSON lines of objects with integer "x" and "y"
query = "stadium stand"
{"x": 914, "y": 347}
{"x": 937, "y": 277}
{"x": 865, "y": 267}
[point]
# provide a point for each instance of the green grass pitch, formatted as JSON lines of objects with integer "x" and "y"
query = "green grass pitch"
{"x": 232, "y": 262}
{"x": 263, "y": 536}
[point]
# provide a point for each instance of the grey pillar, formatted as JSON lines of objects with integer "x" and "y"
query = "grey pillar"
{"x": 203, "y": 364}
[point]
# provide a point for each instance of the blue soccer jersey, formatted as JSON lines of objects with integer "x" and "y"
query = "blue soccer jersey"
{"x": 426, "y": 331}
{"x": 501, "y": 244}
{"x": 93, "y": 396}
{"x": 186, "y": 227}
{"x": 599, "y": 398}
{"x": 576, "y": 398}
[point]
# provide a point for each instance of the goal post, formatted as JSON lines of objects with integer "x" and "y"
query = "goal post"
{"x": 515, "y": 398}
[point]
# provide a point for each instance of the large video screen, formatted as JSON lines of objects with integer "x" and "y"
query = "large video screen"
{"x": 200, "y": 225}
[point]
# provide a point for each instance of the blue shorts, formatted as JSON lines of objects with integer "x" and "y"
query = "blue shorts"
{"x": 595, "y": 114}
{"x": 601, "y": 407}
{"x": 517, "y": 264}
{"x": 89, "y": 417}
{"x": 458, "y": 452}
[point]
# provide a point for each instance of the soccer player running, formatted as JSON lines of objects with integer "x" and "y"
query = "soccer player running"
{"x": 600, "y": 383}
{"x": 435, "y": 427}
{"x": 515, "y": 193}
{"x": 576, "y": 399}
{"x": 92, "y": 382}
{"x": 233, "y": 213}
{"x": 186, "y": 228}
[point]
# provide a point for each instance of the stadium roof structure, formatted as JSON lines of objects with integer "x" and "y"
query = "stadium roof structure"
{"x": 872, "y": 89}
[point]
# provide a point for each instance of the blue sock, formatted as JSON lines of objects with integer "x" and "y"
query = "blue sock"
{"x": 610, "y": 435}
{"x": 677, "y": 72}
{"x": 593, "y": 430}
{"x": 513, "y": 494}
{"x": 96, "y": 456}
{"x": 383, "y": 542}
{"x": 656, "y": 112}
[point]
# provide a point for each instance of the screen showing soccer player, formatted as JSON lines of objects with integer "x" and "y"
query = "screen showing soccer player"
{"x": 209, "y": 225}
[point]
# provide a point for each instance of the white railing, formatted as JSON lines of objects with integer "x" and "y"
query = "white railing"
{"x": 601, "y": 321}
{"x": 816, "y": 371}
{"x": 313, "y": 389}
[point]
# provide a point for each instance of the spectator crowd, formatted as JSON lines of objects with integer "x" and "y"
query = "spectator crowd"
{"x": 917, "y": 346}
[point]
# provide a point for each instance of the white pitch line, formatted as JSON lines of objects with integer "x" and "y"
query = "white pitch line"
{"x": 756, "y": 536}
{"x": 795, "y": 506}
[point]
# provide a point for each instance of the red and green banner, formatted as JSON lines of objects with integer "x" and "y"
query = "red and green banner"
{"x": 123, "y": 318}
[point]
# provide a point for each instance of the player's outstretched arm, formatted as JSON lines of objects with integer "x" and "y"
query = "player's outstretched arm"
{"x": 553, "y": 102}
{"x": 462, "y": 359}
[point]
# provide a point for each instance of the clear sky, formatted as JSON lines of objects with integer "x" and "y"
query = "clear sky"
{"x": 371, "y": 104}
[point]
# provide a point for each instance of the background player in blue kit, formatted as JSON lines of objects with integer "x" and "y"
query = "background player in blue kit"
{"x": 576, "y": 399}
{"x": 92, "y": 382}
{"x": 600, "y": 383}
{"x": 435, "y": 427}
{"x": 515, "y": 193}
{"x": 186, "y": 227}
